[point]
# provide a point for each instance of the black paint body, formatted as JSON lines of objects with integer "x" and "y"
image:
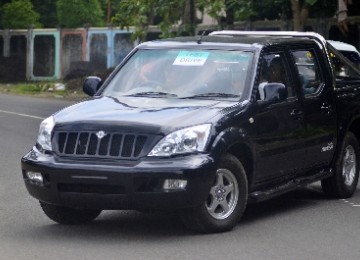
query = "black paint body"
{"x": 278, "y": 142}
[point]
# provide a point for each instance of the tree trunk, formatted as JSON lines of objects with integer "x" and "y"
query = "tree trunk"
{"x": 229, "y": 15}
{"x": 300, "y": 15}
{"x": 188, "y": 18}
{"x": 108, "y": 12}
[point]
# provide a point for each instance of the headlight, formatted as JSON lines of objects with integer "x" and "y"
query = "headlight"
{"x": 44, "y": 138}
{"x": 187, "y": 140}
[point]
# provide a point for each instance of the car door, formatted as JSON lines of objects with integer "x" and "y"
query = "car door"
{"x": 278, "y": 125}
{"x": 317, "y": 97}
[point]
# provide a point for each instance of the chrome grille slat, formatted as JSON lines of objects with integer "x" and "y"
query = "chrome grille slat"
{"x": 87, "y": 145}
{"x": 77, "y": 143}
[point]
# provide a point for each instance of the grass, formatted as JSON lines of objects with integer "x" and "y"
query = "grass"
{"x": 41, "y": 89}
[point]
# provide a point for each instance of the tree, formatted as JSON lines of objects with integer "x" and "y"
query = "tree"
{"x": 78, "y": 13}
{"x": 47, "y": 12}
{"x": 228, "y": 11}
{"x": 301, "y": 13}
{"x": 165, "y": 13}
{"x": 214, "y": 8}
{"x": 142, "y": 13}
{"x": 19, "y": 14}
{"x": 134, "y": 13}
{"x": 108, "y": 9}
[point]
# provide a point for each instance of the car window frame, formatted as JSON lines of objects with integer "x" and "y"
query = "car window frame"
{"x": 322, "y": 82}
{"x": 345, "y": 60}
{"x": 283, "y": 52}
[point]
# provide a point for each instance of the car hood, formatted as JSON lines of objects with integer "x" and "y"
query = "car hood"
{"x": 161, "y": 114}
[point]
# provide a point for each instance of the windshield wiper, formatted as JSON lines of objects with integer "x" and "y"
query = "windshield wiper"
{"x": 152, "y": 93}
{"x": 213, "y": 94}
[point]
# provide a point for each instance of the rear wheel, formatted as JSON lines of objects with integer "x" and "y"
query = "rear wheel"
{"x": 69, "y": 216}
{"x": 226, "y": 201}
{"x": 344, "y": 181}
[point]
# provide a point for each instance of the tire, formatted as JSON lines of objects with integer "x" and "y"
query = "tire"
{"x": 226, "y": 201}
{"x": 69, "y": 216}
{"x": 344, "y": 181}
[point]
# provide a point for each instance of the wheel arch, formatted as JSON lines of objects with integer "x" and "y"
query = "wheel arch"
{"x": 236, "y": 141}
{"x": 355, "y": 128}
{"x": 243, "y": 153}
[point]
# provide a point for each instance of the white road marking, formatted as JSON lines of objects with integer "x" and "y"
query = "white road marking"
{"x": 350, "y": 203}
{"x": 20, "y": 114}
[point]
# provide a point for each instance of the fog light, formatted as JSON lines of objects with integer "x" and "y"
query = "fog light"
{"x": 35, "y": 177}
{"x": 173, "y": 184}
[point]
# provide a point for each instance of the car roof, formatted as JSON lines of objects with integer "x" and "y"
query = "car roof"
{"x": 342, "y": 46}
{"x": 226, "y": 41}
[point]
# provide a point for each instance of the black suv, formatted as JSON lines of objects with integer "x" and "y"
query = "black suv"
{"x": 202, "y": 125}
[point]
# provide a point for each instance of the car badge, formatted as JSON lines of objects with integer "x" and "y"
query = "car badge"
{"x": 101, "y": 134}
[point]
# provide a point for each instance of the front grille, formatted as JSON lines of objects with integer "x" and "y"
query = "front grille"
{"x": 88, "y": 144}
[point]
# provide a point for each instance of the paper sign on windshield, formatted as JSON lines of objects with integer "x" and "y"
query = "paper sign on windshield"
{"x": 191, "y": 58}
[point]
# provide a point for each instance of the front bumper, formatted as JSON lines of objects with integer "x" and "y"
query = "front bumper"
{"x": 119, "y": 184}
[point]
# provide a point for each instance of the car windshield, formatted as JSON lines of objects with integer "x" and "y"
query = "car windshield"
{"x": 182, "y": 73}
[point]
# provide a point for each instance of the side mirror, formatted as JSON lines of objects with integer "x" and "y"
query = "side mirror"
{"x": 91, "y": 85}
{"x": 274, "y": 92}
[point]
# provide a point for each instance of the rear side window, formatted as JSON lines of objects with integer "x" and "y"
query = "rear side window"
{"x": 342, "y": 69}
{"x": 308, "y": 69}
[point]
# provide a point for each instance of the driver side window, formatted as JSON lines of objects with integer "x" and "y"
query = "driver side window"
{"x": 273, "y": 70}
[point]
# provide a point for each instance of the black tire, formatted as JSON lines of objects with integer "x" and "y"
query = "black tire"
{"x": 69, "y": 216}
{"x": 211, "y": 216}
{"x": 344, "y": 181}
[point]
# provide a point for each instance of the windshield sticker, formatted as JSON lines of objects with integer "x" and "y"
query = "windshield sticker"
{"x": 191, "y": 58}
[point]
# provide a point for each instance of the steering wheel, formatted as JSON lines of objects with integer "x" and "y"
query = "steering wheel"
{"x": 156, "y": 85}
{"x": 148, "y": 86}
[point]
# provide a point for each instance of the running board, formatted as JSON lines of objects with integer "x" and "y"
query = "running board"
{"x": 258, "y": 196}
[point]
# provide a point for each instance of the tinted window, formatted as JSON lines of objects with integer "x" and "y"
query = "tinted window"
{"x": 352, "y": 56}
{"x": 342, "y": 68}
{"x": 273, "y": 70}
{"x": 308, "y": 69}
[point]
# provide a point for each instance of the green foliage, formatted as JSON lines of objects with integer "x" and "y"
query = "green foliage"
{"x": 43, "y": 89}
{"x": 311, "y": 2}
{"x": 141, "y": 14}
{"x": 133, "y": 13}
{"x": 47, "y": 12}
{"x": 170, "y": 12}
{"x": 77, "y": 13}
{"x": 19, "y": 14}
{"x": 28, "y": 89}
{"x": 246, "y": 11}
{"x": 213, "y": 8}
{"x": 261, "y": 10}
{"x": 277, "y": 9}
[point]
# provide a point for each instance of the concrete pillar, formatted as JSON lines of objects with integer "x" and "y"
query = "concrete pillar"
{"x": 29, "y": 54}
{"x": 6, "y": 39}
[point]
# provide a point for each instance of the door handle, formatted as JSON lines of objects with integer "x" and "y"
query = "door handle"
{"x": 296, "y": 114}
{"x": 326, "y": 108}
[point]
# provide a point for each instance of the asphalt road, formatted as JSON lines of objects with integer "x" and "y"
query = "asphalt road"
{"x": 300, "y": 225}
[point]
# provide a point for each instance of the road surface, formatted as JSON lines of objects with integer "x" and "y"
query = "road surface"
{"x": 300, "y": 225}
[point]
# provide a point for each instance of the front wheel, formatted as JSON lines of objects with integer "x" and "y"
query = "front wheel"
{"x": 226, "y": 201}
{"x": 69, "y": 216}
{"x": 344, "y": 181}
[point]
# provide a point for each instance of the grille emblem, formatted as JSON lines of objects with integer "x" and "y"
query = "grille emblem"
{"x": 101, "y": 134}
